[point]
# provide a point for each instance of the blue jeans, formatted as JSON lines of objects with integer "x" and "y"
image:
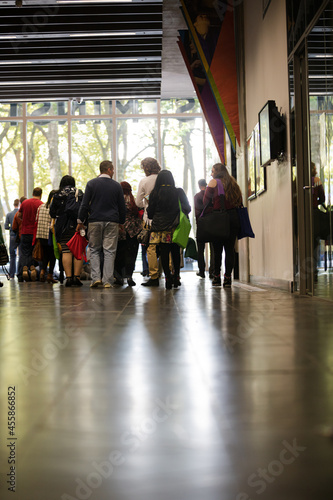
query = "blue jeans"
{"x": 25, "y": 250}
{"x": 13, "y": 244}
{"x": 103, "y": 236}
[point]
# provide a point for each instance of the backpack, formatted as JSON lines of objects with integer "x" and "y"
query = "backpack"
{"x": 73, "y": 203}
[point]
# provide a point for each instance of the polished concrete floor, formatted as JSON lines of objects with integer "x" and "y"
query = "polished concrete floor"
{"x": 198, "y": 393}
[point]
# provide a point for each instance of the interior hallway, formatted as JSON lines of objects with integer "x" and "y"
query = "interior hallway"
{"x": 148, "y": 394}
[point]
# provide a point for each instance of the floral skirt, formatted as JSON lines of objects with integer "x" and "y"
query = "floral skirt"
{"x": 157, "y": 237}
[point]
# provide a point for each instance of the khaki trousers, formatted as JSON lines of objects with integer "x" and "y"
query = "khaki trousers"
{"x": 153, "y": 263}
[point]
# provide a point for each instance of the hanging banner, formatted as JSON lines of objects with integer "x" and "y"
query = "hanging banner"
{"x": 203, "y": 90}
{"x": 211, "y": 25}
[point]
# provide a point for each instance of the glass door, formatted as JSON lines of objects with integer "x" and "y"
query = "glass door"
{"x": 320, "y": 89}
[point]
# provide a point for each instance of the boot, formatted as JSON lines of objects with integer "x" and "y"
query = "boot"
{"x": 42, "y": 276}
{"x": 50, "y": 279}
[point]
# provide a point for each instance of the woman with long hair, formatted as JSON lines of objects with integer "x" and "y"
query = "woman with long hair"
{"x": 43, "y": 220}
{"x": 127, "y": 248}
{"x": 233, "y": 199}
{"x": 163, "y": 209}
{"x": 65, "y": 226}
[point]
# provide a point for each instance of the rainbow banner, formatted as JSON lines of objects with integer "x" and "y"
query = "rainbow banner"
{"x": 204, "y": 94}
{"x": 212, "y": 34}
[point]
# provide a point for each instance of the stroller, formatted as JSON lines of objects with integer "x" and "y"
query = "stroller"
{"x": 3, "y": 257}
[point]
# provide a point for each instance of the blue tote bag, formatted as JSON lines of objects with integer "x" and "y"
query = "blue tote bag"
{"x": 245, "y": 224}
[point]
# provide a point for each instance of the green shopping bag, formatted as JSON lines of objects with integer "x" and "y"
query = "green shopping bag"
{"x": 182, "y": 231}
{"x": 55, "y": 246}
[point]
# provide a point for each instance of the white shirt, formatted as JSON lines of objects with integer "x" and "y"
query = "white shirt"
{"x": 146, "y": 185}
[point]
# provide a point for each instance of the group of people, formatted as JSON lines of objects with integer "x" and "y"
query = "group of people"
{"x": 111, "y": 218}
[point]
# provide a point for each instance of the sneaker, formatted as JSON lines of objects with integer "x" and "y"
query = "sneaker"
{"x": 107, "y": 285}
{"x": 216, "y": 281}
{"x": 25, "y": 274}
{"x": 151, "y": 282}
{"x": 201, "y": 275}
{"x": 227, "y": 282}
{"x": 96, "y": 284}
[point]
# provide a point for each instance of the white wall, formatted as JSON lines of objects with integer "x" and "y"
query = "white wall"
{"x": 266, "y": 76}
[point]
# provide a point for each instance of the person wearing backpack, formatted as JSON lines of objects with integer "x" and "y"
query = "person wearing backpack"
{"x": 65, "y": 208}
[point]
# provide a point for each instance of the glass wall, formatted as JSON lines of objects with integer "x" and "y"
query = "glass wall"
{"x": 41, "y": 142}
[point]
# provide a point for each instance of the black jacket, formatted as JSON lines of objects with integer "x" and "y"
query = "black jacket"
{"x": 165, "y": 216}
{"x": 64, "y": 220}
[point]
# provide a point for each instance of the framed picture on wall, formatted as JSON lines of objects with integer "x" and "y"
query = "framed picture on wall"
{"x": 256, "y": 173}
{"x": 260, "y": 171}
{"x": 251, "y": 181}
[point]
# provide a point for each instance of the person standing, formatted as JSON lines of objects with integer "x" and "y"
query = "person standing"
{"x": 64, "y": 209}
{"x": 163, "y": 210}
{"x": 43, "y": 220}
{"x": 151, "y": 168}
{"x": 13, "y": 243}
{"x": 27, "y": 212}
{"x": 103, "y": 207}
{"x": 198, "y": 208}
{"x": 233, "y": 200}
{"x": 127, "y": 249}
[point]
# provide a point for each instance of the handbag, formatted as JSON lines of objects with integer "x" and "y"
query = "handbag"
{"x": 321, "y": 224}
{"x": 37, "y": 252}
{"x": 245, "y": 224}
{"x": 77, "y": 245}
{"x": 3, "y": 255}
{"x": 214, "y": 226}
{"x": 56, "y": 249}
{"x": 182, "y": 231}
{"x": 4, "y": 259}
{"x": 144, "y": 235}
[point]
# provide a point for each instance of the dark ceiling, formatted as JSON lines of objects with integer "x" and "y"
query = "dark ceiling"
{"x": 80, "y": 49}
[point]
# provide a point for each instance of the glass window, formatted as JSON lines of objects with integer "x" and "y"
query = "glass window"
{"x": 10, "y": 109}
{"x": 136, "y": 107}
{"x": 136, "y": 139}
{"x": 173, "y": 106}
{"x": 91, "y": 144}
{"x": 91, "y": 108}
{"x": 47, "y": 108}
{"x": 11, "y": 166}
{"x": 182, "y": 152}
{"x": 47, "y": 154}
{"x": 212, "y": 155}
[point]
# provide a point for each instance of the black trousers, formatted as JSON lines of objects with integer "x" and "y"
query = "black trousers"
{"x": 201, "y": 257}
{"x": 165, "y": 249}
{"x": 228, "y": 246}
{"x": 48, "y": 255}
{"x": 127, "y": 252}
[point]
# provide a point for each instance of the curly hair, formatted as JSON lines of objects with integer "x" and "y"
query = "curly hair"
{"x": 150, "y": 166}
{"x": 127, "y": 190}
{"x": 232, "y": 191}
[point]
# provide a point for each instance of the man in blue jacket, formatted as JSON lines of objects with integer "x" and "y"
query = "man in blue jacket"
{"x": 103, "y": 207}
{"x": 13, "y": 242}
